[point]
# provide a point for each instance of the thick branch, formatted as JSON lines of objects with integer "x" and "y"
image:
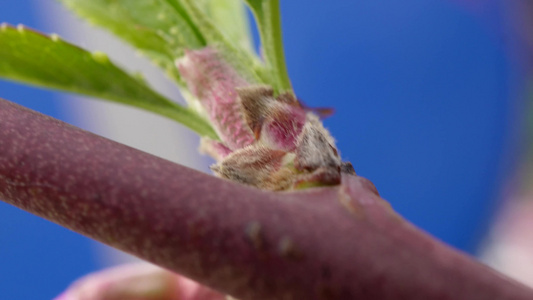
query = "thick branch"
{"x": 327, "y": 243}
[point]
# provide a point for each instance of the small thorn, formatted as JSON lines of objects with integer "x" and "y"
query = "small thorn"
{"x": 55, "y": 37}
{"x": 174, "y": 30}
{"x": 21, "y": 28}
{"x": 100, "y": 57}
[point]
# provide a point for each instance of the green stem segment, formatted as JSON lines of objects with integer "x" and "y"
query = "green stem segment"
{"x": 268, "y": 17}
{"x": 278, "y": 56}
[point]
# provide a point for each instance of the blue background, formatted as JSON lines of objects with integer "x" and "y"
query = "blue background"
{"x": 38, "y": 259}
{"x": 425, "y": 94}
{"x": 424, "y": 101}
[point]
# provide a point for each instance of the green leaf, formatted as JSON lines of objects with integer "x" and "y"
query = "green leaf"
{"x": 243, "y": 61}
{"x": 161, "y": 29}
{"x": 34, "y": 58}
{"x": 231, "y": 19}
{"x": 268, "y": 19}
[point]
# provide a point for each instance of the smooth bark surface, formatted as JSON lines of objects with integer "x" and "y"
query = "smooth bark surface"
{"x": 324, "y": 243}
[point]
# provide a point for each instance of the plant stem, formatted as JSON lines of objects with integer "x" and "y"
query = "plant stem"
{"x": 242, "y": 241}
{"x": 268, "y": 17}
{"x": 278, "y": 56}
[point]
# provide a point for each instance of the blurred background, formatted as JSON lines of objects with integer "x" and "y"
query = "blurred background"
{"x": 432, "y": 105}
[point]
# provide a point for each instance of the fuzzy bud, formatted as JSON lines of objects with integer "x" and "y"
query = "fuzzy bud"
{"x": 267, "y": 141}
{"x": 214, "y": 83}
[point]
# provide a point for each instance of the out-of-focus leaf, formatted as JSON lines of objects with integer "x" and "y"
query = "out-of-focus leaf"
{"x": 161, "y": 29}
{"x": 243, "y": 61}
{"x": 34, "y": 58}
{"x": 231, "y": 19}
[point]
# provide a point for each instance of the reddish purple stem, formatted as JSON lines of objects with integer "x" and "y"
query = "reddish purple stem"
{"x": 327, "y": 243}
